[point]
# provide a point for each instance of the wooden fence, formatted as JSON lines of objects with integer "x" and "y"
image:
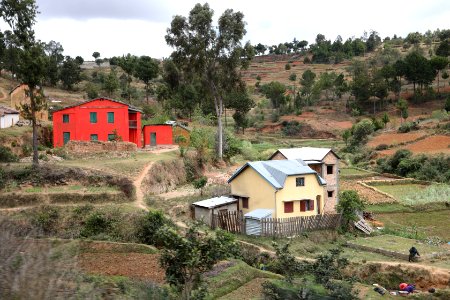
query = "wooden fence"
{"x": 231, "y": 221}
{"x": 286, "y": 227}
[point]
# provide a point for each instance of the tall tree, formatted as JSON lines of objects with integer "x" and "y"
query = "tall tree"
{"x": 110, "y": 83}
{"x": 307, "y": 81}
{"x": 128, "y": 64}
{"x": 213, "y": 54}
{"x": 20, "y": 15}
{"x": 146, "y": 70}
{"x": 70, "y": 72}
{"x": 54, "y": 51}
{"x": 439, "y": 63}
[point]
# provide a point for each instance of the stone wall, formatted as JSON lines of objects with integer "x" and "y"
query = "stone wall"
{"x": 99, "y": 147}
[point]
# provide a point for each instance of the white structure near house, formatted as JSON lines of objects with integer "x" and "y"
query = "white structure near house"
{"x": 253, "y": 220}
{"x": 322, "y": 160}
{"x": 205, "y": 209}
{"x": 8, "y": 117}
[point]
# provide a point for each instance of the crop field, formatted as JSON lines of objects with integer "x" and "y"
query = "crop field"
{"x": 394, "y": 138}
{"x": 417, "y": 194}
{"x": 430, "y": 145}
{"x": 422, "y": 224}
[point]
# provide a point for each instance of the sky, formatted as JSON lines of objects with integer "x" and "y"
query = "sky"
{"x": 116, "y": 27}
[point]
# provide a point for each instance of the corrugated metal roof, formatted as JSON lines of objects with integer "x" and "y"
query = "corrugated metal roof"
{"x": 259, "y": 213}
{"x": 214, "y": 202}
{"x": 306, "y": 153}
{"x": 4, "y": 110}
{"x": 130, "y": 107}
{"x": 276, "y": 171}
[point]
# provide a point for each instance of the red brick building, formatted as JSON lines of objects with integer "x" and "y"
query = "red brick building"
{"x": 99, "y": 119}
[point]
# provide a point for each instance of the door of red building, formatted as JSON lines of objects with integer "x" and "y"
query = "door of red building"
{"x": 152, "y": 138}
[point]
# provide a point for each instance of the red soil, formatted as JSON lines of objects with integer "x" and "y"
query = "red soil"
{"x": 430, "y": 145}
{"x": 395, "y": 138}
{"x": 135, "y": 265}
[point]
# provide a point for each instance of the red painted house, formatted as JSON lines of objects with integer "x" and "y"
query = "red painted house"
{"x": 97, "y": 120}
{"x": 155, "y": 135}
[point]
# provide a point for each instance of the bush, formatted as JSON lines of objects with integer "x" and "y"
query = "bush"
{"x": 360, "y": 132}
{"x": 275, "y": 117}
{"x": 287, "y": 67}
{"x": 46, "y": 219}
{"x": 407, "y": 127}
{"x": 377, "y": 124}
{"x": 291, "y": 128}
{"x": 148, "y": 226}
{"x": 349, "y": 204}
{"x": 306, "y": 60}
{"x": 381, "y": 147}
{"x": 95, "y": 224}
{"x": 6, "y": 155}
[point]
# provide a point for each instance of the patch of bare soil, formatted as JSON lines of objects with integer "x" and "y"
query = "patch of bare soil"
{"x": 430, "y": 145}
{"x": 368, "y": 194}
{"x": 134, "y": 265}
{"x": 394, "y": 138}
{"x": 250, "y": 290}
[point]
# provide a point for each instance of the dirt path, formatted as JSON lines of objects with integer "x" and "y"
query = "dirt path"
{"x": 137, "y": 184}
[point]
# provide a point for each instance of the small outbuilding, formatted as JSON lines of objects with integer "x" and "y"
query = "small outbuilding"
{"x": 253, "y": 220}
{"x": 157, "y": 135}
{"x": 8, "y": 117}
{"x": 205, "y": 209}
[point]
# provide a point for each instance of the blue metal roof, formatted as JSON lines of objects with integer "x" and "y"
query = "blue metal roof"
{"x": 276, "y": 171}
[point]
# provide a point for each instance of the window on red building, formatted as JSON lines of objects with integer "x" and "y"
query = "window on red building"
{"x": 93, "y": 117}
{"x": 65, "y": 118}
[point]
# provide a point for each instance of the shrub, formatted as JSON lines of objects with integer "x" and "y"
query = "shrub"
{"x": 361, "y": 131}
{"x": 6, "y": 155}
{"x": 407, "y": 127}
{"x": 349, "y": 204}
{"x": 95, "y": 224}
{"x": 46, "y": 219}
{"x": 275, "y": 117}
{"x": 149, "y": 225}
{"x": 306, "y": 60}
{"x": 377, "y": 124}
{"x": 287, "y": 67}
{"x": 291, "y": 128}
{"x": 381, "y": 147}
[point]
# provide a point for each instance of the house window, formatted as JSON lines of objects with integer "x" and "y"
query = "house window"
{"x": 300, "y": 181}
{"x": 289, "y": 207}
{"x": 94, "y": 137}
{"x": 330, "y": 194}
{"x": 110, "y": 117}
{"x": 329, "y": 170}
{"x": 306, "y": 205}
{"x": 111, "y": 137}
{"x": 65, "y": 118}
{"x": 93, "y": 117}
{"x": 244, "y": 202}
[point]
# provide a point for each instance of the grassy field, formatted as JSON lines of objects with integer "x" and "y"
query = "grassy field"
{"x": 129, "y": 166}
{"x": 354, "y": 172}
{"x": 431, "y": 223}
{"x": 413, "y": 194}
{"x": 396, "y": 244}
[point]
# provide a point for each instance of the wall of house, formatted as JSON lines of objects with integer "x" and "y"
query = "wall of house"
{"x": 164, "y": 135}
{"x": 278, "y": 156}
{"x": 179, "y": 131}
{"x": 9, "y": 120}
{"x": 294, "y": 193}
{"x": 260, "y": 193}
{"x": 332, "y": 180}
{"x": 18, "y": 96}
{"x": 81, "y": 128}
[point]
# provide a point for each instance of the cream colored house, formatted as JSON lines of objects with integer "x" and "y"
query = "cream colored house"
{"x": 8, "y": 117}
{"x": 322, "y": 160}
{"x": 287, "y": 187}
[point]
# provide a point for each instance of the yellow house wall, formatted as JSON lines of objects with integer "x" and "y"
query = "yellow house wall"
{"x": 260, "y": 193}
{"x": 291, "y": 192}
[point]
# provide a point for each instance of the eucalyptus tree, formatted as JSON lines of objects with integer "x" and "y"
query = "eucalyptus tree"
{"x": 213, "y": 54}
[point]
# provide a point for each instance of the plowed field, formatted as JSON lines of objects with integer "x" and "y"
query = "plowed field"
{"x": 430, "y": 145}
{"x": 395, "y": 138}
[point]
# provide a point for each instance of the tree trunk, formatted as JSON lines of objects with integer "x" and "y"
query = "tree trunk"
{"x": 218, "y": 105}
{"x": 146, "y": 92}
{"x": 439, "y": 73}
{"x": 35, "y": 142}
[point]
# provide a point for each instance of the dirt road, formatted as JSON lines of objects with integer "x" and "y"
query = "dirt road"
{"x": 140, "y": 203}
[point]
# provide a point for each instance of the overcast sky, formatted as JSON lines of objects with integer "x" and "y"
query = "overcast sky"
{"x": 116, "y": 27}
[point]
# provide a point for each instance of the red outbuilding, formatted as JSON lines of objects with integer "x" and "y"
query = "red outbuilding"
{"x": 99, "y": 119}
{"x": 155, "y": 135}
